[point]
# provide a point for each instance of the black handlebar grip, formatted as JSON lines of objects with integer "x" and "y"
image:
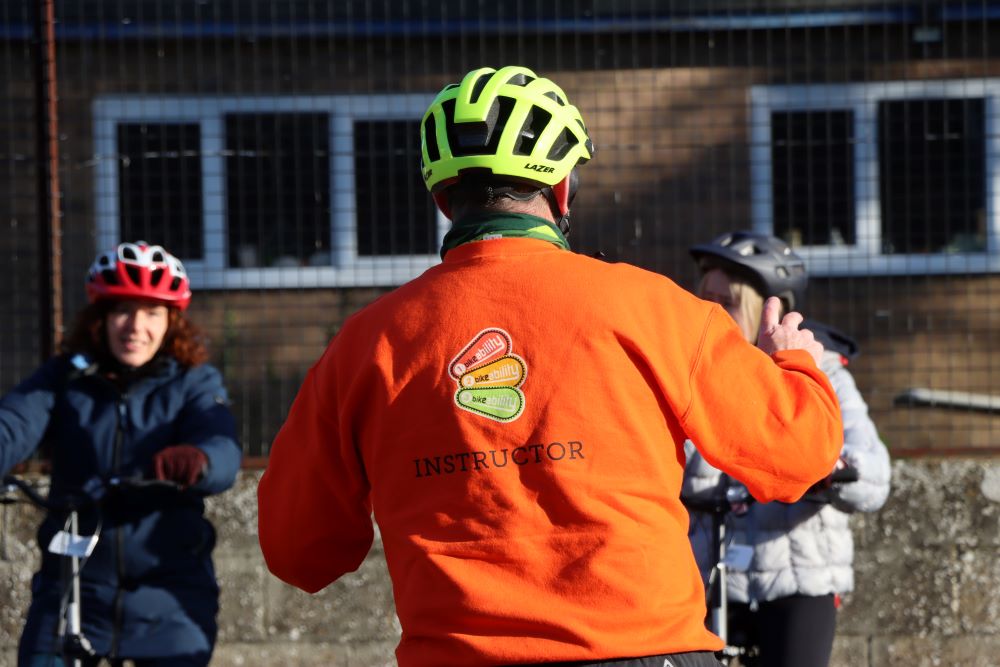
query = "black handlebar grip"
{"x": 844, "y": 476}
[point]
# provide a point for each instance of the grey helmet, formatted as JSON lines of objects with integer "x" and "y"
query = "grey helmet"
{"x": 766, "y": 262}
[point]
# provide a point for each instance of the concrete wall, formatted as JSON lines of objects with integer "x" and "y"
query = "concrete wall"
{"x": 927, "y": 581}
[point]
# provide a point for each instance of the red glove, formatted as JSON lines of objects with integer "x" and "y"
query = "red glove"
{"x": 184, "y": 464}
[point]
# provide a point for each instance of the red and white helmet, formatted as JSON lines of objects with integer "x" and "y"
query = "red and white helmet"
{"x": 139, "y": 271}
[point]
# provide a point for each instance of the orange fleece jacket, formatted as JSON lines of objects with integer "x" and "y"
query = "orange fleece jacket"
{"x": 515, "y": 417}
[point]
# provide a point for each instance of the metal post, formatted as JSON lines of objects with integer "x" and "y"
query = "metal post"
{"x": 48, "y": 189}
{"x": 75, "y": 601}
{"x": 721, "y": 611}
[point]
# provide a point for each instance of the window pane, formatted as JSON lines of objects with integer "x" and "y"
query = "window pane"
{"x": 932, "y": 175}
{"x": 159, "y": 186}
{"x": 278, "y": 189}
{"x": 396, "y": 215}
{"x": 812, "y": 155}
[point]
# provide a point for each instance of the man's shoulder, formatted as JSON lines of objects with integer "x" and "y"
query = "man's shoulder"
{"x": 619, "y": 271}
{"x": 384, "y": 313}
{"x": 618, "y": 282}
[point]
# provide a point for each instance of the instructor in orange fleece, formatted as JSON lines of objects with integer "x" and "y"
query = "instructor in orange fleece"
{"x": 516, "y": 416}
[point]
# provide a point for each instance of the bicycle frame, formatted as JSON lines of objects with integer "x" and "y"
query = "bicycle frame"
{"x": 718, "y": 595}
{"x": 737, "y": 500}
{"x": 74, "y": 647}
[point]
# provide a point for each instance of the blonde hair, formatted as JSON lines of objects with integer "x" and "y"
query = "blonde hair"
{"x": 748, "y": 301}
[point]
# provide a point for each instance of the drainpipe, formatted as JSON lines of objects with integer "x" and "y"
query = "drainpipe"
{"x": 47, "y": 161}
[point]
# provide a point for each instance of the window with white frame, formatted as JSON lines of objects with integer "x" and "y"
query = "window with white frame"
{"x": 880, "y": 178}
{"x": 270, "y": 192}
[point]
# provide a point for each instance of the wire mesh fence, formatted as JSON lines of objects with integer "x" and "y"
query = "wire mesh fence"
{"x": 273, "y": 146}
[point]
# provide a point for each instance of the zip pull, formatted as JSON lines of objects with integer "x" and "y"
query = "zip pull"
{"x": 116, "y": 452}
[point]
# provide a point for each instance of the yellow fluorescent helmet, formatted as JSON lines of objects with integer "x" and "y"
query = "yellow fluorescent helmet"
{"x": 510, "y": 122}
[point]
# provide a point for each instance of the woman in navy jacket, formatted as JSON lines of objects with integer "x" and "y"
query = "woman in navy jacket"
{"x": 130, "y": 396}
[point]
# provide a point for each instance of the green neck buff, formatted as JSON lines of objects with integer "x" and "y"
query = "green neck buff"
{"x": 502, "y": 225}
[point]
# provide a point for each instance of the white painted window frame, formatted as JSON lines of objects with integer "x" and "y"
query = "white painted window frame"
{"x": 347, "y": 269}
{"x": 865, "y": 256}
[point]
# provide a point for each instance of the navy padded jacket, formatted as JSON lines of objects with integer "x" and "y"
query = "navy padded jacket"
{"x": 149, "y": 588}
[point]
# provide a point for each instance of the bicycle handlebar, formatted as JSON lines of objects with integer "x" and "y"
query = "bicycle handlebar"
{"x": 11, "y": 483}
{"x": 724, "y": 504}
{"x": 82, "y": 499}
{"x": 127, "y": 483}
{"x": 844, "y": 476}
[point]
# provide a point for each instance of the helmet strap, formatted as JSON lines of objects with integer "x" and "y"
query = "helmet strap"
{"x": 560, "y": 197}
{"x": 441, "y": 199}
{"x": 559, "y": 214}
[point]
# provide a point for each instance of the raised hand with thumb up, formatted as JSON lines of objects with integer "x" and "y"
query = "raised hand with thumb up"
{"x": 775, "y": 335}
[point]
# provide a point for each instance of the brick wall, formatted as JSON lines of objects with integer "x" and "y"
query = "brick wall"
{"x": 672, "y": 168}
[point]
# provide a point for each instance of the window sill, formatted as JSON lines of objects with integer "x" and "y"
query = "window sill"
{"x": 371, "y": 272}
{"x": 840, "y": 261}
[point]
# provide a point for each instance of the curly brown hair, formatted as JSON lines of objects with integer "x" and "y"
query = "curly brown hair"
{"x": 183, "y": 341}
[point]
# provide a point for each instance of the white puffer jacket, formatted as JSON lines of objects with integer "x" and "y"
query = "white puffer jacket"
{"x": 803, "y": 548}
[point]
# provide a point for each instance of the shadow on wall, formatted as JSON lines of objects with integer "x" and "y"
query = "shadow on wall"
{"x": 264, "y": 342}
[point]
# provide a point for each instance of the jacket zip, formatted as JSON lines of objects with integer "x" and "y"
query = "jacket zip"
{"x": 121, "y": 402}
{"x": 116, "y": 627}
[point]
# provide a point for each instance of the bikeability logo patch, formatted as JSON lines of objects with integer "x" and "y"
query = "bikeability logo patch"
{"x": 489, "y": 375}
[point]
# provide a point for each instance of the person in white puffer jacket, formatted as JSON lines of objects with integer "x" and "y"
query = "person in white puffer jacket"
{"x": 784, "y": 603}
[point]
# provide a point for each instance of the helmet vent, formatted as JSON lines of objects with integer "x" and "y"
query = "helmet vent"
{"x": 554, "y": 97}
{"x": 536, "y": 122}
{"x": 561, "y": 148}
{"x": 156, "y": 277}
{"x": 110, "y": 277}
{"x": 520, "y": 80}
{"x": 133, "y": 274}
{"x": 430, "y": 139}
{"x": 477, "y": 138}
{"x": 175, "y": 283}
{"x": 477, "y": 89}
{"x": 128, "y": 252}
